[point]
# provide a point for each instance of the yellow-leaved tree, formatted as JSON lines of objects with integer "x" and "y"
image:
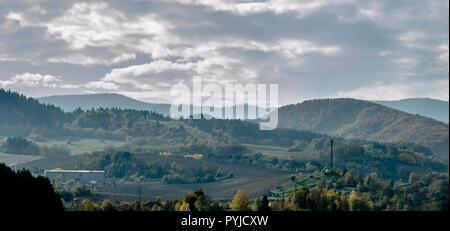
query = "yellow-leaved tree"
{"x": 240, "y": 201}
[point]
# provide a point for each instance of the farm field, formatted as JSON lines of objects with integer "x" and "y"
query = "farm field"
{"x": 277, "y": 151}
{"x": 79, "y": 146}
{"x": 255, "y": 180}
{"x": 66, "y": 162}
{"x": 14, "y": 159}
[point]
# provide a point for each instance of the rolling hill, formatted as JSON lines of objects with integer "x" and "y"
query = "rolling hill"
{"x": 221, "y": 140}
{"x": 358, "y": 119}
{"x": 69, "y": 103}
{"x": 19, "y": 114}
{"x": 432, "y": 108}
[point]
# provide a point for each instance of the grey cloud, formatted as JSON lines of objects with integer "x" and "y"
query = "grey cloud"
{"x": 221, "y": 43}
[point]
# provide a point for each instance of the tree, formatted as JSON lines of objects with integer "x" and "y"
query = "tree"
{"x": 293, "y": 178}
{"x": 358, "y": 203}
{"x": 107, "y": 206}
{"x": 240, "y": 201}
{"x": 21, "y": 190}
{"x": 301, "y": 197}
{"x": 178, "y": 206}
{"x": 265, "y": 204}
{"x": 87, "y": 205}
{"x": 203, "y": 203}
{"x": 190, "y": 199}
{"x": 185, "y": 207}
{"x": 257, "y": 204}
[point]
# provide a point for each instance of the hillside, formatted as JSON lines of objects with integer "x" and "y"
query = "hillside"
{"x": 213, "y": 140}
{"x": 19, "y": 114}
{"x": 69, "y": 103}
{"x": 357, "y": 119}
{"x": 432, "y": 108}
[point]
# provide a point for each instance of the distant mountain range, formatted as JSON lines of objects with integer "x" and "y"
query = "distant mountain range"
{"x": 70, "y": 103}
{"x": 358, "y": 119}
{"x": 436, "y": 109}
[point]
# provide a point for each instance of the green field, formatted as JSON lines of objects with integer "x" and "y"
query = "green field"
{"x": 79, "y": 146}
{"x": 278, "y": 151}
{"x": 13, "y": 159}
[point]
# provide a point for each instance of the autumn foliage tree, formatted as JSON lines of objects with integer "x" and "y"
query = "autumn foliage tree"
{"x": 240, "y": 201}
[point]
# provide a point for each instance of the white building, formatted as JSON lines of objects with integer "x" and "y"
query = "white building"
{"x": 79, "y": 176}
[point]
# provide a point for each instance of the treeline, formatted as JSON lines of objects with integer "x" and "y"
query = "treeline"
{"x": 126, "y": 166}
{"x": 238, "y": 131}
{"x": 18, "y": 110}
{"x": 23, "y": 116}
{"x": 22, "y": 146}
{"x": 194, "y": 201}
{"x": 424, "y": 193}
{"x": 386, "y": 160}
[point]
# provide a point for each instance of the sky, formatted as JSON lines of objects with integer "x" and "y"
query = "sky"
{"x": 372, "y": 50}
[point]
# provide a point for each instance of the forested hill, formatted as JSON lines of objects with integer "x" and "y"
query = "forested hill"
{"x": 70, "y": 103}
{"x": 232, "y": 141}
{"x": 357, "y": 119}
{"x": 432, "y": 108}
{"x": 17, "y": 110}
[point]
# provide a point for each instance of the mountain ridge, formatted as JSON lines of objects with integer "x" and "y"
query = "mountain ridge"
{"x": 432, "y": 108}
{"x": 69, "y": 103}
{"x": 358, "y": 119}
{"x": 103, "y": 100}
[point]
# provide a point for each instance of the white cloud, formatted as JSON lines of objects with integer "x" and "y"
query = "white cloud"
{"x": 290, "y": 48}
{"x": 149, "y": 47}
{"x": 86, "y": 60}
{"x": 101, "y": 85}
{"x": 87, "y": 25}
{"x": 407, "y": 61}
{"x": 32, "y": 80}
{"x": 127, "y": 75}
{"x": 302, "y": 8}
{"x": 368, "y": 13}
{"x": 98, "y": 25}
{"x": 6, "y": 58}
{"x": 36, "y": 80}
{"x": 413, "y": 39}
{"x": 445, "y": 55}
{"x": 385, "y": 53}
{"x": 49, "y": 81}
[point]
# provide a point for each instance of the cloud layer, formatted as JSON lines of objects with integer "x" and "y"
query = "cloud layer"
{"x": 312, "y": 49}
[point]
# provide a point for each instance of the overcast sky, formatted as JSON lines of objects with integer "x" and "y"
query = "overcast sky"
{"x": 313, "y": 49}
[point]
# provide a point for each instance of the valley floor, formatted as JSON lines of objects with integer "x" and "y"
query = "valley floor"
{"x": 255, "y": 180}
